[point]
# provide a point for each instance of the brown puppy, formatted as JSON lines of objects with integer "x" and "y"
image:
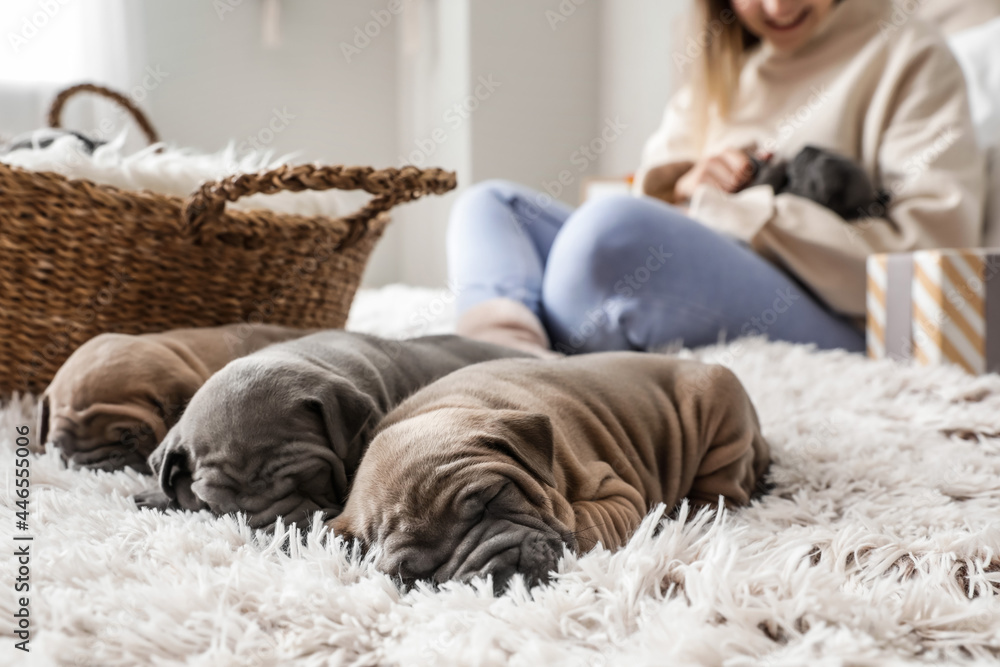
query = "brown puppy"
{"x": 493, "y": 469}
{"x": 117, "y": 395}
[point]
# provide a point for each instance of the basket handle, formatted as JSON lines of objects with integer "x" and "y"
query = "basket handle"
{"x": 390, "y": 186}
{"x": 55, "y": 111}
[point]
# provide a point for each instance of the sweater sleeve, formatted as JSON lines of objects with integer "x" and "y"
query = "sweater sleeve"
{"x": 670, "y": 152}
{"x": 927, "y": 157}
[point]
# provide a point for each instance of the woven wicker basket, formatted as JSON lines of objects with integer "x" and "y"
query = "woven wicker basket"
{"x": 78, "y": 259}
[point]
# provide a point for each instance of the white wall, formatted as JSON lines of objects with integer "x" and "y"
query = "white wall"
{"x": 639, "y": 39}
{"x": 433, "y": 76}
{"x": 547, "y": 106}
{"x": 493, "y": 90}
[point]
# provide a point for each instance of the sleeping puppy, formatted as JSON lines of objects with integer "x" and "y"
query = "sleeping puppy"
{"x": 496, "y": 468}
{"x": 826, "y": 178}
{"x": 117, "y": 395}
{"x": 281, "y": 432}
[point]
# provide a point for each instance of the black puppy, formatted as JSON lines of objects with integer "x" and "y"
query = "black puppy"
{"x": 44, "y": 138}
{"x": 826, "y": 178}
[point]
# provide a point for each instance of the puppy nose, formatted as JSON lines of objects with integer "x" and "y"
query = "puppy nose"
{"x": 535, "y": 559}
{"x": 540, "y": 557}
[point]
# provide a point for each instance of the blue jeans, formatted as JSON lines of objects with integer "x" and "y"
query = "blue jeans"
{"x": 626, "y": 273}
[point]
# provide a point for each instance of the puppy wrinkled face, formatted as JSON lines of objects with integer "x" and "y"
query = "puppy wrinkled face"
{"x": 255, "y": 447}
{"x": 443, "y": 503}
{"x": 113, "y": 401}
{"x": 118, "y": 437}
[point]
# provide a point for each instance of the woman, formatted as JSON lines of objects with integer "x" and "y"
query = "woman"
{"x": 701, "y": 256}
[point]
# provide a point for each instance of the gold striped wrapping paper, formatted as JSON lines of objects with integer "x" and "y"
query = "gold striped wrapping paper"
{"x": 936, "y": 306}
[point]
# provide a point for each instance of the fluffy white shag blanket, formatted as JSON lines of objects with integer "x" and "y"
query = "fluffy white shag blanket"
{"x": 879, "y": 545}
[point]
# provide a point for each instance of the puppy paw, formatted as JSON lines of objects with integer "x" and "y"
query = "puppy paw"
{"x": 154, "y": 500}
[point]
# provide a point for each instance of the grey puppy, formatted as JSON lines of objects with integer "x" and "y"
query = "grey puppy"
{"x": 826, "y": 178}
{"x": 281, "y": 432}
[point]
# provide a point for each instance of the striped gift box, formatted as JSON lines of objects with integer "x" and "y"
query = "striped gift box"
{"x": 936, "y": 306}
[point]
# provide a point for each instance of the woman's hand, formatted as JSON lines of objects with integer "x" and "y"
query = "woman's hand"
{"x": 729, "y": 171}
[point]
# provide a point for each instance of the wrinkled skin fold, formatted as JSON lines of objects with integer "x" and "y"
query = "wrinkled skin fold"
{"x": 497, "y": 468}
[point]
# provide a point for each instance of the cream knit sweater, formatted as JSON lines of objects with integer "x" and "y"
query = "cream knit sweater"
{"x": 883, "y": 91}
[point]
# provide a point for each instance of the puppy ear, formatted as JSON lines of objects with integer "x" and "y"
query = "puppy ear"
{"x": 172, "y": 465}
{"x": 348, "y": 415}
{"x": 528, "y": 439}
{"x": 167, "y": 466}
{"x": 43, "y": 422}
{"x": 155, "y": 459}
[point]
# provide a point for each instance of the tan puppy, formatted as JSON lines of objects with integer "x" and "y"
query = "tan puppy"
{"x": 117, "y": 395}
{"x": 493, "y": 469}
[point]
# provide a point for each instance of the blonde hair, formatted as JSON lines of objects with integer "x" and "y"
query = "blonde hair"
{"x": 716, "y": 80}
